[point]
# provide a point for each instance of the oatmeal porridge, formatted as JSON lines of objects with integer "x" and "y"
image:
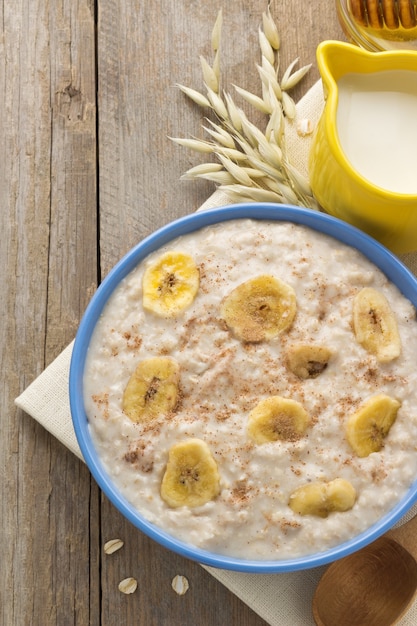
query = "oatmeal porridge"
{"x": 251, "y": 389}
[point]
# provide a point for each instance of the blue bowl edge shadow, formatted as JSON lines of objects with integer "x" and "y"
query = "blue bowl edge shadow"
{"x": 385, "y": 260}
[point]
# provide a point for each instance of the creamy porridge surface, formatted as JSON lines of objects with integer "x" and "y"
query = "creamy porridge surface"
{"x": 223, "y": 378}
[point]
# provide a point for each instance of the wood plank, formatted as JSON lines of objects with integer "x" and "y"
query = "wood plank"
{"x": 48, "y": 271}
{"x": 23, "y": 287}
{"x": 72, "y": 278}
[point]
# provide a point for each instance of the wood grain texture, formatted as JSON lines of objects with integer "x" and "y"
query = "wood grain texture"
{"x": 88, "y": 101}
{"x": 48, "y": 271}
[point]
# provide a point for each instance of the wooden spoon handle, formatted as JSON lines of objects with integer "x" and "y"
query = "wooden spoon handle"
{"x": 406, "y": 535}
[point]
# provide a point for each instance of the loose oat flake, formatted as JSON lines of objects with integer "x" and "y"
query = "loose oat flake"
{"x": 113, "y": 545}
{"x": 180, "y": 584}
{"x": 304, "y": 127}
{"x": 128, "y": 585}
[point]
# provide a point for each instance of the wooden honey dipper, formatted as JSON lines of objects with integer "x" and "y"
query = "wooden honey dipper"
{"x": 389, "y": 14}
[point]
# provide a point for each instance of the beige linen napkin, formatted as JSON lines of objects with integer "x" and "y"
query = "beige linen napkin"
{"x": 280, "y": 599}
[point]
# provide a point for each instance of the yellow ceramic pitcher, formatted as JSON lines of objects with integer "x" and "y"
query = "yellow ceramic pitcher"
{"x": 343, "y": 191}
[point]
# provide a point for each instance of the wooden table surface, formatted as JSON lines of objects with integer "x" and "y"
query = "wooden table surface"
{"x": 89, "y": 99}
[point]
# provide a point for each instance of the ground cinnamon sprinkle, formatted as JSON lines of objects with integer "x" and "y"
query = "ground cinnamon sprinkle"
{"x": 378, "y": 474}
{"x": 286, "y": 524}
{"x": 240, "y": 493}
{"x": 139, "y": 456}
{"x": 102, "y": 400}
{"x": 133, "y": 340}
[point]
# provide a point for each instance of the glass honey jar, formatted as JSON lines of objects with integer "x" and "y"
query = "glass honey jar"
{"x": 378, "y": 25}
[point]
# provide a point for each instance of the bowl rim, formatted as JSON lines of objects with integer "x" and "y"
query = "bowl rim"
{"x": 385, "y": 260}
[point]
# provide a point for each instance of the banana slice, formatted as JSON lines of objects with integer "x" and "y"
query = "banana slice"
{"x": 308, "y": 361}
{"x": 191, "y": 477}
{"x": 170, "y": 284}
{"x": 322, "y": 498}
{"x": 259, "y": 309}
{"x": 277, "y": 418}
{"x": 152, "y": 389}
{"x": 375, "y": 326}
{"x": 367, "y": 428}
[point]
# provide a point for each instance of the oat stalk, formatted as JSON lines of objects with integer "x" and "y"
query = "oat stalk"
{"x": 252, "y": 164}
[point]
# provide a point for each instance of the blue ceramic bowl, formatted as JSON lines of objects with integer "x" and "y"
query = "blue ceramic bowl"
{"x": 337, "y": 229}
